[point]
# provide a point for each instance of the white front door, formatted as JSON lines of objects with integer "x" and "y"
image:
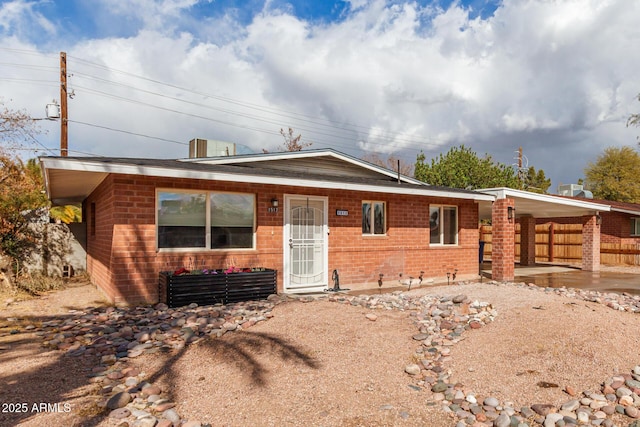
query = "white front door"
{"x": 305, "y": 244}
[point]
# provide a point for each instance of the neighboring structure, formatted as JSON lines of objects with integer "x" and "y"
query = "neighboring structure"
{"x": 305, "y": 214}
{"x": 59, "y": 250}
{"x": 621, "y": 224}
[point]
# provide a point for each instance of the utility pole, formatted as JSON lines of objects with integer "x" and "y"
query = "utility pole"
{"x": 520, "y": 173}
{"x": 63, "y": 105}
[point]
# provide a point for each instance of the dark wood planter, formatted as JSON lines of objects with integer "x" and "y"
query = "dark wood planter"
{"x": 207, "y": 289}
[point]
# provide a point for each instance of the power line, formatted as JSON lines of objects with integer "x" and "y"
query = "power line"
{"x": 316, "y": 126}
{"x": 28, "y": 52}
{"x": 128, "y": 132}
{"x": 228, "y": 123}
{"x": 353, "y": 133}
{"x": 17, "y": 80}
{"x": 292, "y": 115}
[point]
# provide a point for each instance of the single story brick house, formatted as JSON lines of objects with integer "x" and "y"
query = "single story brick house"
{"x": 304, "y": 214}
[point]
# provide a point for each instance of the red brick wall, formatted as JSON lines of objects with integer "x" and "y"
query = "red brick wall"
{"x": 99, "y": 244}
{"x": 616, "y": 228}
{"x": 590, "y": 243}
{"x": 123, "y": 261}
{"x": 527, "y": 241}
{"x": 502, "y": 241}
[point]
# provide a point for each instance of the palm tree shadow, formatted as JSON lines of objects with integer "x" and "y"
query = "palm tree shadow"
{"x": 63, "y": 376}
{"x": 243, "y": 349}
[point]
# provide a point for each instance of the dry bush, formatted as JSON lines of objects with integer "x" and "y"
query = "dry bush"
{"x": 36, "y": 284}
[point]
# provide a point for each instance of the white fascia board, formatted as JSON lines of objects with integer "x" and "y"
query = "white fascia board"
{"x": 626, "y": 211}
{"x": 504, "y": 192}
{"x": 119, "y": 168}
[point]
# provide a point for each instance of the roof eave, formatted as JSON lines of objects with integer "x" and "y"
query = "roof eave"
{"x": 504, "y": 192}
{"x": 89, "y": 166}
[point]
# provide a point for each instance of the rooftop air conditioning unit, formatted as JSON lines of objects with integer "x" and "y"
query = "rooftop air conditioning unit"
{"x": 574, "y": 190}
{"x": 199, "y": 148}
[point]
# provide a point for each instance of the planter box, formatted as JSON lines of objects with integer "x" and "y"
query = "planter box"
{"x": 207, "y": 289}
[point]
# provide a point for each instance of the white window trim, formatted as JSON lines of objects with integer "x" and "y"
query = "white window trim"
{"x": 207, "y": 247}
{"x": 441, "y": 227}
{"x": 371, "y": 225}
{"x": 636, "y": 222}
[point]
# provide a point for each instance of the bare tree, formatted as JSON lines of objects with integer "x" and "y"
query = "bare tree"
{"x": 634, "y": 120}
{"x": 390, "y": 162}
{"x": 17, "y": 129}
{"x": 291, "y": 141}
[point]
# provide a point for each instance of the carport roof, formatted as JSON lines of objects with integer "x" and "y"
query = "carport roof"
{"x": 541, "y": 205}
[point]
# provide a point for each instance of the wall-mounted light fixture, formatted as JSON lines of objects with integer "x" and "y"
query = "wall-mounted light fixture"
{"x": 274, "y": 202}
{"x": 510, "y": 210}
{"x": 598, "y": 219}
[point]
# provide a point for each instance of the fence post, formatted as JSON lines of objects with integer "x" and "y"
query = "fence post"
{"x": 551, "y": 241}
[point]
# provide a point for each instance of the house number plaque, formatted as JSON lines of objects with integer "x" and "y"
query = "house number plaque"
{"x": 342, "y": 212}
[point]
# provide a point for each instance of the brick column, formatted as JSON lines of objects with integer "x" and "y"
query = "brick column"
{"x": 527, "y": 241}
{"x": 590, "y": 243}
{"x": 502, "y": 241}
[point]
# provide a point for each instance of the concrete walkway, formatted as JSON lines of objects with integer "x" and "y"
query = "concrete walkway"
{"x": 555, "y": 276}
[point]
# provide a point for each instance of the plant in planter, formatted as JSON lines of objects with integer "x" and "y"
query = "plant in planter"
{"x": 208, "y": 286}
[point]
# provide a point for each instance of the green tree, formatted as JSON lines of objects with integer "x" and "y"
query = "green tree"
{"x": 462, "y": 168}
{"x": 21, "y": 184}
{"x": 67, "y": 213}
{"x": 536, "y": 181}
{"x": 614, "y": 175}
{"x": 20, "y": 191}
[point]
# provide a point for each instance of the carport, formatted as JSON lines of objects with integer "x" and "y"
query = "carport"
{"x": 525, "y": 207}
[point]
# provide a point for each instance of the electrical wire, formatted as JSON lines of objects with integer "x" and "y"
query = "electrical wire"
{"x": 228, "y": 123}
{"x": 318, "y": 127}
{"x": 295, "y": 115}
{"x": 127, "y": 132}
{"x": 289, "y": 115}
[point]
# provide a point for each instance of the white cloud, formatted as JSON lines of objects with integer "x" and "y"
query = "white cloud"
{"x": 552, "y": 76}
{"x": 18, "y": 17}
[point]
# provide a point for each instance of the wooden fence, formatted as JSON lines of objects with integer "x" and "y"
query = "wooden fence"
{"x": 562, "y": 243}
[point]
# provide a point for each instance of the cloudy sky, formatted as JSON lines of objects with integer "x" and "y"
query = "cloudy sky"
{"x": 556, "y": 77}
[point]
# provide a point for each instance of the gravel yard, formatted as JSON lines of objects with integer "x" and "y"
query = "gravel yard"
{"x": 320, "y": 362}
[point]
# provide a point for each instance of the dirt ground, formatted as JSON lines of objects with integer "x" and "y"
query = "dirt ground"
{"x": 325, "y": 364}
